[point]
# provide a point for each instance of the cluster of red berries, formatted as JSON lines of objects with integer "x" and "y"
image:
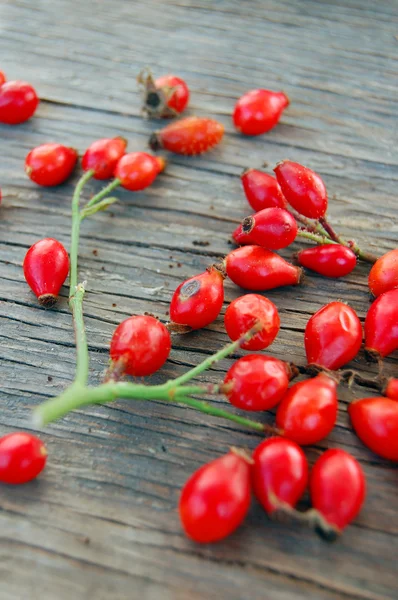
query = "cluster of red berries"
{"x": 216, "y": 498}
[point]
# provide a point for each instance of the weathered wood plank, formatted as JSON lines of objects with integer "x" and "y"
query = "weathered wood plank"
{"x": 101, "y": 521}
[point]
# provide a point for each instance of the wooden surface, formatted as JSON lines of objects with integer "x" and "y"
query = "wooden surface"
{"x": 101, "y": 522}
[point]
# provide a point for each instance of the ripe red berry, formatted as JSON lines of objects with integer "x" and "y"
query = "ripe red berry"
{"x": 22, "y": 457}
{"x": 383, "y": 276}
{"x": 255, "y": 268}
{"x": 50, "y": 164}
{"x": 308, "y": 411}
{"x": 258, "y": 111}
{"x": 302, "y": 188}
{"x": 103, "y": 155}
{"x": 2, "y": 78}
{"x": 272, "y": 228}
{"x": 333, "y": 336}
{"x": 197, "y": 302}
{"x": 391, "y": 388}
{"x": 279, "y": 473}
{"x": 46, "y": 266}
{"x": 257, "y": 382}
{"x": 189, "y": 136}
{"x": 262, "y": 190}
{"x": 140, "y": 345}
{"x": 337, "y": 487}
{"x": 330, "y": 260}
{"x": 375, "y": 421}
{"x": 18, "y": 102}
{"x": 167, "y": 96}
{"x": 216, "y": 498}
{"x": 244, "y": 312}
{"x": 381, "y": 325}
{"x": 138, "y": 170}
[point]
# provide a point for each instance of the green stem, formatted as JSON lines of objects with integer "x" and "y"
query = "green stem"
{"x": 74, "y": 244}
{"x": 330, "y": 231}
{"x": 365, "y": 256}
{"x": 82, "y": 358}
{"x": 107, "y": 190}
{"x": 308, "y": 235}
{"x": 208, "y": 409}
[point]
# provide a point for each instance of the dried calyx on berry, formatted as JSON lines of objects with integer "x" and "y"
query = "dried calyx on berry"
{"x": 165, "y": 97}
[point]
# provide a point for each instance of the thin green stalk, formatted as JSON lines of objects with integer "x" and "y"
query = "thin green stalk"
{"x": 208, "y": 409}
{"x": 365, "y": 256}
{"x": 74, "y": 244}
{"x": 82, "y": 358}
{"x": 107, "y": 190}
{"x": 308, "y": 235}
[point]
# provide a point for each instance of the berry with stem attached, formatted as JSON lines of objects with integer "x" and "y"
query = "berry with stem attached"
{"x": 308, "y": 411}
{"x": 103, "y": 155}
{"x": 279, "y": 473}
{"x": 330, "y": 260}
{"x": 189, "y": 136}
{"x": 50, "y": 164}
{"x": 22, "y": 458}
{"x": 302, "y": 188}
{"x": 18, "y": 102}
{"x": 197, "y": 302}
{"x": 167, "y": 96}
{"x": 243, "y": 314}
{"x": 333, "y": 336}
{"x": 140, "y": 346}
{"x": 216, "y": 498}
{"x": 381, "y": 326}
{"x": 262, "y": 190}
{"x": 272, "y": 228}
{"x": 375, "y": 421}
{"x": 383, "y": 276}
{"x": 46, "y": 266}
{"x": 138, "y": 170}
{"x": 258, "y": 269}
{"x": 258, "y": 111}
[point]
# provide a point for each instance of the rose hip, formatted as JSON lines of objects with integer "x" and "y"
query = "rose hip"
{"x": 333, "y": 336}
{"x": 244, "y": 312}
{"x": 103, "y": 155}
{"x": 302, "y": 188}
{"x": 272, "y": 228}
{"x": 138, "y": 170}
{"x": 50, "y": 164}
{"x": 375, "y": 421}
{"x": 140, "y": 346}
{"x": 262, "y": 190}
{"x": 308, "y": 411}
{"x": 189, "y": 136}
{"x": 255, "y": 268}
{"x": 197, "y": 302}
{"x": 330, "y": 260}
{"x": 257, "y": 382}
{"x": 167, "y": 96}
{"x": 22, "y": 458}
{"x": 391, "y": 388}
{"x": 381, "y": 325}
{"x": 279, "y": 473}
{"x": 46, "y": 266}
{"x": 18, "y": 102}
{"x": 258, "y": 111}
{"x": 337, "y": 487}
{"x": 383, "y": 276}
{"x": 216, "y": 498}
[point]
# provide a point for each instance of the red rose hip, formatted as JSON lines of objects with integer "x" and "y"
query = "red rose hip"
{"x": 272, "y": 228}
{"x": 391, "y": 388}
{"x": 138, "y": 170}
{"x": 103, "y": 155}
{"x": 22, "y": 458}
{"x": 330, "y": 260}
{"x": 383, "y": 276}
{"x": 189, "y": 136}
{"x": 262, "y": 190}
{"x": 18, "y": 102}
{"x": 375, "y": 421}
{"x": 46, "y": 266}
{"x": 302, "y": 188}
{"x": 381, "y": 326}
{"x": 50, "y": 164}
{"x": 244, "y": 312}
{"x": 258, "y": 111}
{"x": 167, "y": 96}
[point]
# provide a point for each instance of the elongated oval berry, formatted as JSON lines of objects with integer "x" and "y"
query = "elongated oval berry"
{"x": 279, "y": 473}
{"x": 244, "y": 312}
{"x": 262, "y": 190}
{"x": 381, "y": 325}
{"x": 18, "y": 102}
{"x": 140, "y": 345}
{"x": 330, "y": 260}
{"x": 257, "y": 382}
{"x": 308, "y": 412}
{"x": 164, "y": 97}
{"x": 375, "y": 421}
{"x": 103, "y": 155}
{"x": 337, "y": 487}
{"x": 50, "y": 164}
{"x": 216, "y": 498}
{"x": 2, "y": 78}
{"x": 197, "y": 302}
{"x": 138, "y": 170}
{"x": 302, "y": 188}
{"x": 391, "y": 388}
{"x": 46, "y": 266}
{"x": 255, "y": 268}
{"x": 383, "y": 276}
{"x": 272, "y": 228}
{"x": 22, "y": 458}
{"x": 333, "y": 336}
{"x": 189, "y": 136}
{"x": 258, "y": 111}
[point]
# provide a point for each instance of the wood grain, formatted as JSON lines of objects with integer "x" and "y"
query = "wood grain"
{"x": 101, "y": 522}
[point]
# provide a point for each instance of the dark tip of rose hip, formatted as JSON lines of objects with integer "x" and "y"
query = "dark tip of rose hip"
{"x": 153, "y": 99}
{"x": 247, "y": 224}
{"x": 220, "y": 267}
{"x": 292, "y": 370}
{"x": 177, "y": 328}
{"x": 154, "y": 142}
{"x": 246, "y": 170}
{"x": 329, "y": 533}
{"x": 47, "y": 300}
{"x": 372, "y": 355}
{"x": 301, "y": 276}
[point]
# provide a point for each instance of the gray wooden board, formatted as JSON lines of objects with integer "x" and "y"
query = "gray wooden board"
{"x": 101, "y": 521}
